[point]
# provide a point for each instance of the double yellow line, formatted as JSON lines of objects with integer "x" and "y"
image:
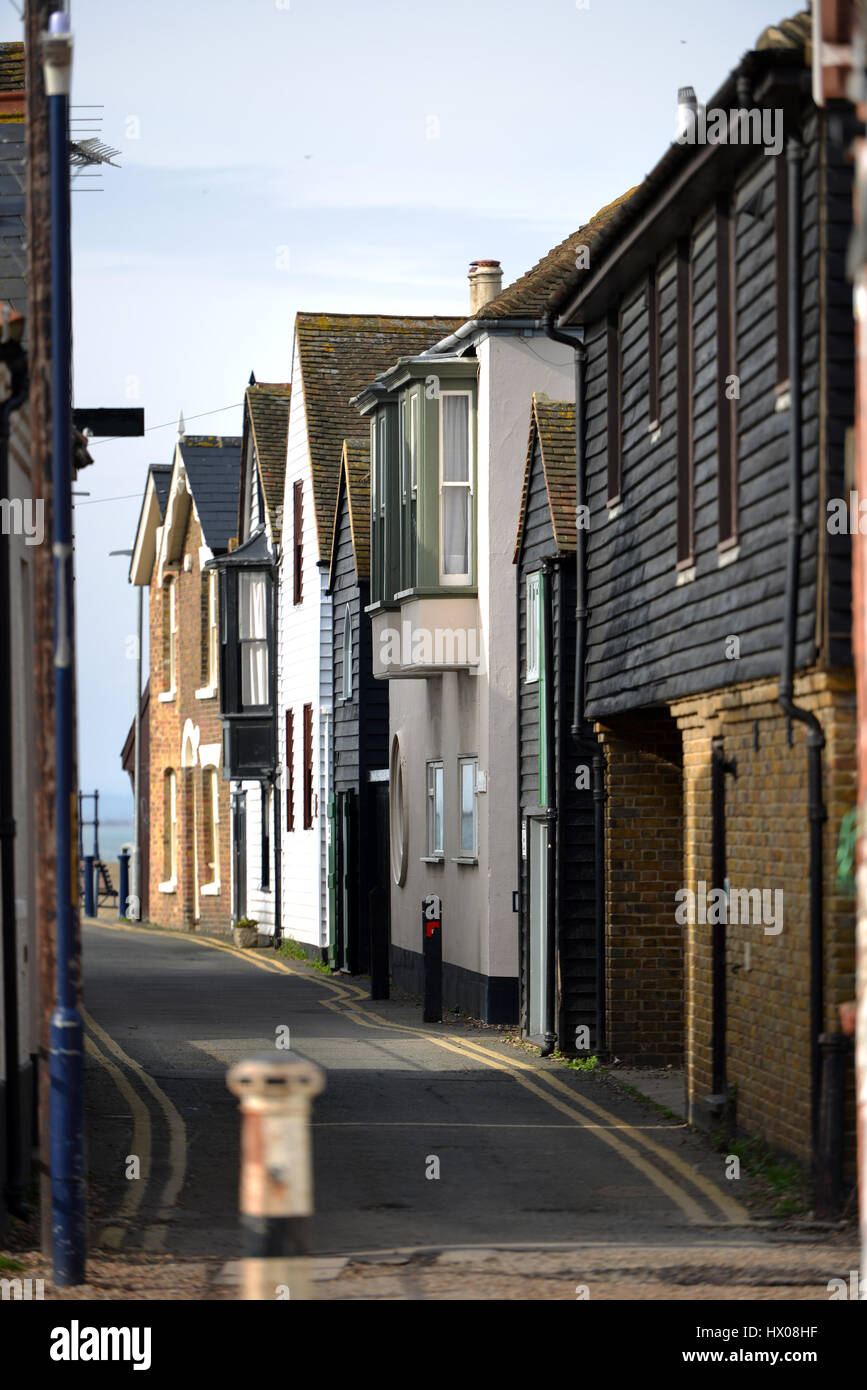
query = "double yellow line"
{"x": 659, "y": 1165}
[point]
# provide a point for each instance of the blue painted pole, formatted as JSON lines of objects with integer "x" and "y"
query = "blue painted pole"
{"x": 89, "y": 880}
{"x": 66, "y": 1065}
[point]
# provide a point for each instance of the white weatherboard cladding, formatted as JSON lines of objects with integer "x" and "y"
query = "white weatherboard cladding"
{"x": 260, "y": 903}
{"x": 299, "y": 682}
{"x": 462, "y": 714}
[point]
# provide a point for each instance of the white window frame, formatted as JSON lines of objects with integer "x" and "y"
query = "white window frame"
{"x": 257, "y": 577}
{"x": 213, "y": 637}
{"x": 413, "y": 442}
{"x": 347, "y": 653}
{"x": 212, "y": 781}
{"x": 171, "y": 584}
{"x": 534, "y": 628}
{"x": 465, "y": 578}
{"x": 435, "y": 771}
{"x": 468, "y": 855}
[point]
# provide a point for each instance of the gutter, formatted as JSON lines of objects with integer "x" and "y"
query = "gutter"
{"x": 815, "y": 738}
{"x": 15, "y": 359}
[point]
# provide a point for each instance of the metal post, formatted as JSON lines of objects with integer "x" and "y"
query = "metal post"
{"x": 67, "y": 1051}
{"x": 432, "y": 955}
{"x": 123, "y": 882}
{"x": 89, "y": 879}
{"x": 834, "y": 1051}
{"x": 96, "y": 825}
{"x": 276, "y": 1191}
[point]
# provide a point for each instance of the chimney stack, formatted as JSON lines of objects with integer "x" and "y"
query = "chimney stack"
{"x": 486, "y": 281}
{"x": 687, "y": 110}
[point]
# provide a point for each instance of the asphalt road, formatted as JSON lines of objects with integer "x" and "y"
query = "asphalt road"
{"x": 528, "y": 1152}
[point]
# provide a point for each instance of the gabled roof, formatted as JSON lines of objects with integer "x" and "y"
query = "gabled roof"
{"x": 213, "y": 468}
{"x": 552, "y": 423}
{"x": 162, "y": 476}
{"x": 340, "y": 354}
{"x": 266, "y": 407}
{"x": 530, "y": 295}
{"x": 789, "y": 45}
{"x": 354, "y": 483}
{"x": 151, "y": 517}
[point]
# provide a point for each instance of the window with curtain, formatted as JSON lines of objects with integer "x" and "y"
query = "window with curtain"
{"x": 347, "y": 653}
{"x": 469, "y": 819}
{"x": 455, "y": 486}
{"x": 253, "y": 638}
{"x": 435, "y": 809}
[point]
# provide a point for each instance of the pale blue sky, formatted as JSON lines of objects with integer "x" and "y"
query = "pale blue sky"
{"x": 378, "y": 147}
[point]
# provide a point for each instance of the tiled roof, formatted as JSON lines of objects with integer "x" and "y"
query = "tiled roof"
{"x": 787, "y": 37}
{"x": 11, "y": 67}
{"x": 340, "y": 354}
{"x": 161, "y": 473}
{"x": 553, "y": 424}
{"x": 789, "y": 33}
{"x": 213, "y": 467}
{"x": 267, "y": 404}
{"x": 356, "y": 467}
{"x": 530, "y": 295}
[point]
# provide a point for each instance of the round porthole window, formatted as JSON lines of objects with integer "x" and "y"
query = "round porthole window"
{"x": 398, "y": 813}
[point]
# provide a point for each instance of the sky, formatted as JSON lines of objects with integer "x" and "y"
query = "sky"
{"x": 324, "y": 155}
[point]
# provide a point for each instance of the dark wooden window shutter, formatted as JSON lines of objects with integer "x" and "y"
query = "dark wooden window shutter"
{"x": 614, "y": 415}
{"x": 726, "y": 410}
{"x": 298, "y": 541}
{"x": 652, "y": 348}
{"x": 290, "y": 770}
{"x": 307, "y": 790}
{"x": 781, "y": 234}
{"x": 685, "y": 520}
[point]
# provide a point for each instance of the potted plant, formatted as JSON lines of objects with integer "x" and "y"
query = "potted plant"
{"x": 246, "y": 933}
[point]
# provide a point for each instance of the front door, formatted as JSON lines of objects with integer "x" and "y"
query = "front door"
{"x": 538, "y": 964}
{"x": 239, "y": 855}
{"x": 346, "y": 916}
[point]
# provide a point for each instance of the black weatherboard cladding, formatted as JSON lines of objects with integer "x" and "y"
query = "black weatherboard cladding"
{"x": 574, "y": 909}
{"x": 651, "y": 639}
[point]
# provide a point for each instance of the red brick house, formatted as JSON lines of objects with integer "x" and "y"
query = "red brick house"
{"x": 189, "y": 515}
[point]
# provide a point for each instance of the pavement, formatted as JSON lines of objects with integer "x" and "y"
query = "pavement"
{"x": 450, "y": 1161}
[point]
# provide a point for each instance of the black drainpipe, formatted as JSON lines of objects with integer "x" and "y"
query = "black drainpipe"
{"x": 720, "y": 765}
{"x": 588, "y": 746}
{"x": 814, "y": 737}
{"x": 548, "y": 570}
{"x": 15, "y": 358}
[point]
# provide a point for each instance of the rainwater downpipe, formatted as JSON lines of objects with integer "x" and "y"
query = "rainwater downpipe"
{"x": 815, "y": 739}
{"x": 588, "y": 746}
{"x": 14, "y": 1184}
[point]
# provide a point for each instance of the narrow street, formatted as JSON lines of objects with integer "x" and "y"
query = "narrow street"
{"x": 587, "y": 1186}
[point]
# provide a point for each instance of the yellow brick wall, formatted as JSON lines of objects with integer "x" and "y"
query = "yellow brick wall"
{"x": 767, "y": 843}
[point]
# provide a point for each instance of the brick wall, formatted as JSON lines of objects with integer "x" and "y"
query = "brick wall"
{"x": 767, "y": 843}
{"x": 170, "y": 750}
{"x": 643, "y": 832}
